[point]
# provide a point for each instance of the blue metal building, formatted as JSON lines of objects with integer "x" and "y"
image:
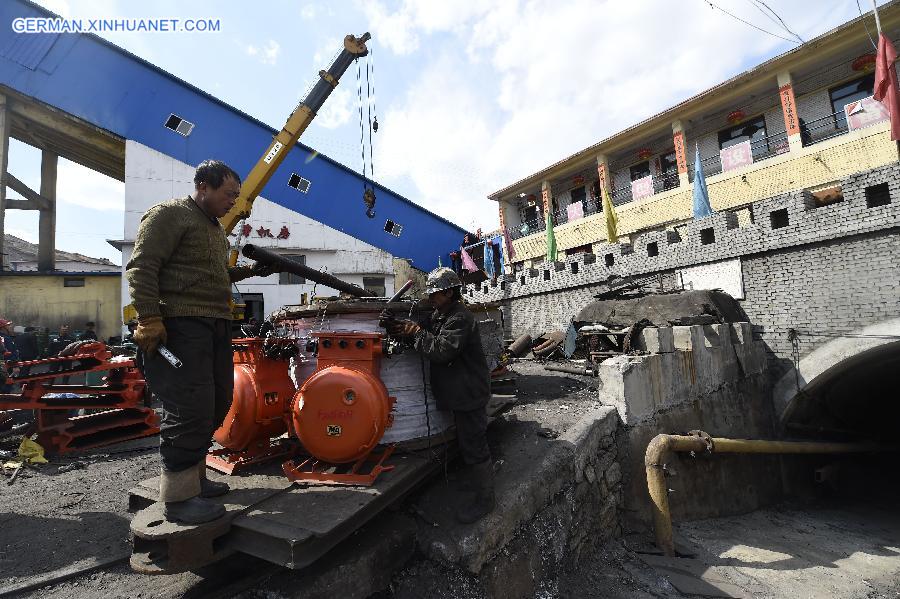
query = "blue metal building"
{"x": 114, "y": 90}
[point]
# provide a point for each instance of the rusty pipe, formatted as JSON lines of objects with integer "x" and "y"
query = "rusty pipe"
{"x": 661, "y": 446}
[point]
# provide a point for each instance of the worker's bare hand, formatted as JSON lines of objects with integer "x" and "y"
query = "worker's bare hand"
{"x": 404, "y": 328}
{"x": 150, "y": 333}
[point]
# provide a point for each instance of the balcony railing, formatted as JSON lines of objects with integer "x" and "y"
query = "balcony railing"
{"x": 711, "y": 165}
{"x": 528, "y": 228}
{"x": 771, "y": 145}
{"x": 812, "y": 132}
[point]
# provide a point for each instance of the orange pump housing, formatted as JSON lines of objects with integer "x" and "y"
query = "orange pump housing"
{"x": 341, "y": 412}
{"x": 262, "y": 395}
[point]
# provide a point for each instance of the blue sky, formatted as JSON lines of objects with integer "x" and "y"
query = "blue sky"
{"x": 470, "y": 95}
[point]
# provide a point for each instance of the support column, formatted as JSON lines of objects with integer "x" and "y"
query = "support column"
{"x": 679, "y": 140}
{"x": 603, "y": 173}
{"x": 546, "y": 198}
{"x": 789, "y": 109}
{"x": 4, "y": 162}
{"x": 47, "y": 219}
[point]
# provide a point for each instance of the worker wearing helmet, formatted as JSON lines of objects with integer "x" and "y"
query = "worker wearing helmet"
{"x": 460, "y": 380}
{"x": 180, "y": 283}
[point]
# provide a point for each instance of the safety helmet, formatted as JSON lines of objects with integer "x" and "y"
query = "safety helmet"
{"x": 440, "y": 279}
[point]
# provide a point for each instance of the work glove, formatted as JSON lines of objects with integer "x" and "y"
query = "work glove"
{"x": 403, "y": 328}
{"x": 263, "y": 269}
{"x": 150, "y": 334}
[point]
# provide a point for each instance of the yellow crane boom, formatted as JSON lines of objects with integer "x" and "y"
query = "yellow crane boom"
{"x": 301, "y": 117}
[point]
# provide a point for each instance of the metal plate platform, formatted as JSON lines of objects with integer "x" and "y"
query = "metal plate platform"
{"x": 268, "y": 517}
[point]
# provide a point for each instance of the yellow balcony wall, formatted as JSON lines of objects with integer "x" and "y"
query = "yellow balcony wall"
{"x": 819, "y": 164}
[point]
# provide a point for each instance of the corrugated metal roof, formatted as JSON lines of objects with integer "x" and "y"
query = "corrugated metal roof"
{"x": 28, "y": 50}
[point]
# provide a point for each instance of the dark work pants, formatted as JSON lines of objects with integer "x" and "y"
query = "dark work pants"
{"x": 471, "y": 434}
{"x": 197, "y": 396}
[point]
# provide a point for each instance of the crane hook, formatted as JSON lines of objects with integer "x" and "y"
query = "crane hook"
{"x": 369, "y": 201}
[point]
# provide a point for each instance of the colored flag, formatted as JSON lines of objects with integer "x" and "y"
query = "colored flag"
{"x": 510, "y": 250}
{"x": 467, "y": 261}
{"x": 701, "y": 194}
{"x": 612, "y": 221}
{"x": 886, "y": 83}
{"x": 551, "y": 238}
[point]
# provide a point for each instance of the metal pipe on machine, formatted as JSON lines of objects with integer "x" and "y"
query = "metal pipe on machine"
{"x": 254, "y": 252}
{"x": 661, "y": 446}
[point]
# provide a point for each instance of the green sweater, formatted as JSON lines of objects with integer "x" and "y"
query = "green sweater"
{"x": 180, "y": 263}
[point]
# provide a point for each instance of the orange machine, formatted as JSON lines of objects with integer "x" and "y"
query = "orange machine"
{"x": 339, "y": 414}
{"x": 252, "y": 431}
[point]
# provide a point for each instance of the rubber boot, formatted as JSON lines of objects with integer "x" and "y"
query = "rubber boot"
{"x": 210, "y": 488}
{"x": 179, "y": 493}
{"x": 483, "y": 501}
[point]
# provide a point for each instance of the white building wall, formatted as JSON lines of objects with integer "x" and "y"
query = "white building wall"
{"x": 152, "y": 177}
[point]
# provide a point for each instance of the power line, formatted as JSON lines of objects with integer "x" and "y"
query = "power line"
{"x": 866, "y": 26}
{"x": 733, "y": 16}
{"x": 780, "y": 20}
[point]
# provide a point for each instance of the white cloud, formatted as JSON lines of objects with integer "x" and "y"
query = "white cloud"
{"x": 267, "y": 54}
{"x": 308, "y": 11}
{"x": 510, "y": 87}
{"x": 337, "y": 109}
{"x": 81, "y": 186}
{"x": 396, "y": 31}
{"x": 59, "y": 7}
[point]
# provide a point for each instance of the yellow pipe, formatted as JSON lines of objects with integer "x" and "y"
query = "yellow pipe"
{"x": 662, "y": 445}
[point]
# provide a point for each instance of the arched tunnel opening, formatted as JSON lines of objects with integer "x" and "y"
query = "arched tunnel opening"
{"x": 856, "y": 400}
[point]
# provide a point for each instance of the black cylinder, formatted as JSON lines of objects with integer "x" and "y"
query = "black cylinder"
{"x": 254, "y": 252}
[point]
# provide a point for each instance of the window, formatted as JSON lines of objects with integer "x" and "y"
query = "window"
{"x": 574, "y": 267}
{"x": 374, "y": 285}
{"x": 289, "y": 278}
{"x": 753, "y": 130}
{"x": 73, "y": 282}
{"x": 393, "y": 228}
{"x": 609, "y": 259}
{"x": 850, "y": 92}
{"x": 707, "y": 236}
{"x": 299, "y": 183}
{"x": 179, "y": 125}
{"x": 579, "y": 195}
{"x": 640, "y": 170}
{"x": 878, "y": 195}
{"x": 779, "y": 218}
{"x": 652, "y": 249}
{"x": 668, "y": 167}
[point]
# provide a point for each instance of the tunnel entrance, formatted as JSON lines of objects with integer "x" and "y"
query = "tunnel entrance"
{"x": 836, "y": 532}
{"x": 855, "y": 400}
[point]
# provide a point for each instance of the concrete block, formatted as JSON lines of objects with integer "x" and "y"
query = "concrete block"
{"x": 741, "y": 333}
{"x": 655, "y": 340}
{"x": 686, "y": 338}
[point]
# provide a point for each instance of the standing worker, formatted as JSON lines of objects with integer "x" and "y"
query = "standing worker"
{"x": 460, "y": 380}
{"x": 180, "y": 285}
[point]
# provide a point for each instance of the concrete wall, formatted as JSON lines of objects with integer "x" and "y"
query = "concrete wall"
{"x": 43, "y": 301}
{"x": 152, "y": 177}
{"x": 710, "y": 378}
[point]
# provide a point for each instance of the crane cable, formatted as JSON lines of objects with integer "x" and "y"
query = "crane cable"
{"x": 368, "y": 188}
